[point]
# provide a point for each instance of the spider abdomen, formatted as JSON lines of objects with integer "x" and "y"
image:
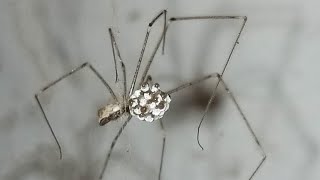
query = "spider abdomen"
{"x": 149, "y": 103}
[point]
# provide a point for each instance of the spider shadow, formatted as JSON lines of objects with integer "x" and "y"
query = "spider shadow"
{"x": 199, "y": 95}
{"x": 194, "y": 99}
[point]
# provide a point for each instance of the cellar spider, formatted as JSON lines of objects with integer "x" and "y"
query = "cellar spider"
{"x": 148, "y": 102}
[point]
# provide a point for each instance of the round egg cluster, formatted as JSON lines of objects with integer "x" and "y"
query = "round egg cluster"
{"x": 149, "y": 103}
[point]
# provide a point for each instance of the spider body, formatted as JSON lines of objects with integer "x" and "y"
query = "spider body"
{"x": 149, "y": 102}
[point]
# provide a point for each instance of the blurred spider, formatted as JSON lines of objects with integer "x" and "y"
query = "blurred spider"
{"x": 148, "y": 102}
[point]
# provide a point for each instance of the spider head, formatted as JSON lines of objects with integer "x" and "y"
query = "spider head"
{"x": 109, "y": 113}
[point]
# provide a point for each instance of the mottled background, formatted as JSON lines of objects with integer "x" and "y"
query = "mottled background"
{"x": 273, "y": 74}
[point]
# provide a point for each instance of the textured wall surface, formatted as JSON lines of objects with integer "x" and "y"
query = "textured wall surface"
{"x": 272, "y": 73}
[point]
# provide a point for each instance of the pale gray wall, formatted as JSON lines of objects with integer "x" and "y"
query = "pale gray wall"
{"x": 273, "y": 74}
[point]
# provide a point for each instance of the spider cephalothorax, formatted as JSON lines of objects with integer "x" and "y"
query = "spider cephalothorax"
{"x": 149, "y": 103}
{"x": 109, "y": 113}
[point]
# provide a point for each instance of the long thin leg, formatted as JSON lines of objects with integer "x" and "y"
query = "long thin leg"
{"x": 162, "y": 155}
{"x": 116, "y": 139}
{"x": 243, "y": 18}
{"x": 192, "y": 83}
{"x": 216, "y": 75}
{"x": 161, "y": 39}
{"x": 175, "y": 19}
{"x": 48, "y": 123}
{"x": 55, "y": 82}
{"x": 183, "y": 86}
{"x": 112, "y": 146}
{"x": 145, "y": 72}
{"x": 164, "y": 14}
{"x": 115, "y": 50}
{"x": 264, "y": 156}
{"x": 163, "y": 143}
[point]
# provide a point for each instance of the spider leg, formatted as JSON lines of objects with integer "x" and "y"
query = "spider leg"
{"x": 192, "y": 83}
{"x": 149, "y": 80}
{"x": 236, "y": 41}
{"x": 133, "y": 83}
{"x": 112, "y": 146}
{"x": 243, "y": 18}
{"x": 58, "y": 80}
{"x": 230, "y": 94}
{"x": 264, "y": 156}
{"x": 116, "y": 52}
{"x": 162, "y": 13}
{"x": 116, "y": 139}
{"x": 162, "y": 152}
